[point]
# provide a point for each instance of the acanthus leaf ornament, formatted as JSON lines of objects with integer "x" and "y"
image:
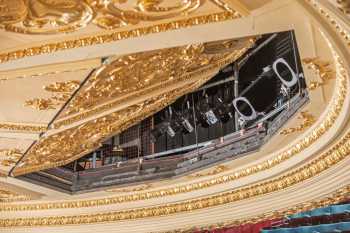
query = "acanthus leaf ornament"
{"x": 44, "y": 16}
{"x": 116, "y": 14}
{"x": 9, "y": 157}
{"x": 10, "y": 196}
{"x": 226, "y": 13}
{"x": 61, "y": 93}
{"x": 57, "y": 16}
{"x": 108, "y": 83}
{"x": 322, "y": 69}
{"x": 307, "y": 120}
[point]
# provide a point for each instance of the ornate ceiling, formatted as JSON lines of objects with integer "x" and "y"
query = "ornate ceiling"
{"x": 47, "y": 103}
{"x": 98, "y": 22}
{"x": 38, "y": 98}
{"x": 111, "y": 98}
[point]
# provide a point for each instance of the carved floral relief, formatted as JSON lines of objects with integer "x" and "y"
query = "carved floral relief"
{"x": 59, "y": 16}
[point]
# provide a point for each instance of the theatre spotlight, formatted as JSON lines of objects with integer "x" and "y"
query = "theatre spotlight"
{"x": 253, "y": 113}
{"x": 184, "y": 118}
{"x": 287, "y": 83}
{"x": 206, "y": 113}
{"x": 163, "y": 127}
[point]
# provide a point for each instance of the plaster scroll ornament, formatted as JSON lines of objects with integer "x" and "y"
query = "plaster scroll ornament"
{"x": 61, "y": 16}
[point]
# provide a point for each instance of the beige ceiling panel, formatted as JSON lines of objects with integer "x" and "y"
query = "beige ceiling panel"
{"x": 36, "y": 99}
{"x": 77, "y": 24}
{"x": 11, "y": 150}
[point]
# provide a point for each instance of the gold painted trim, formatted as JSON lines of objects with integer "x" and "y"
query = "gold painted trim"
{"x": 307, "y": 121}
{"x": 159, "y": 102}
{"x": 7, "y": 196}
{"x": 341, "y": 194}
{"x": 23, "y": 127}
{"x": 336, "y": 154}
{"x": 117, "y": 36}
{"x": 99, "y": 109}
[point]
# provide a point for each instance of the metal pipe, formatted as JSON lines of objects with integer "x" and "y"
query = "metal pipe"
{"x": 195, "y": 124}
{"x": 236, "y": 91}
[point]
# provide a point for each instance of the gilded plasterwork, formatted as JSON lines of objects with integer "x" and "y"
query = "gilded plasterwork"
{"x": 121, "y": 80}
{"x": 132, "y": 189}
{"x": 61, "y": 92}
{"x": 340, "y": 195}
{"x": 22, "y": 127}
{"x": 217, "y": 170}
{"x": 307, "y": 120}
{"x": 338, "y": 153}
{"x": 9, "y": 157}
{"x": 334, "y": 155}
{"x": 50, "y": 17}
{"x": 322, "y": 69}
{"x": 173, "y": 24}
{"x": 68, "y": 145}
{"x": 116, "y": 14}
{"x": 10, "y": 196}
{"x": 44, "y": 16}
{"x": 140, "y": 73}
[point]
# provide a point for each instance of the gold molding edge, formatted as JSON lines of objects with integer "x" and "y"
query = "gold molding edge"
{"x": 117, "y": 36}
{"x": 7, "y": 196}
{"x": 64, "y": 121}
{"x": 333, "y": 156}
{"x": 341, "y": 194}
{"x": 23, "y": 127}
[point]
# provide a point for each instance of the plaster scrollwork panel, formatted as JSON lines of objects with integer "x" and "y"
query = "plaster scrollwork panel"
{"x": 147, "y": 71}
{"x": 322, "y": 69}
{"x": 10, "y": 196}
{"x": 116, "y": 14}
{"x": 61, "y": 93}
{"x": 68, "y": 145}
{"x": 9, "y": 157}
{"x": 307, "y": 121}
{"x": 44, "y": 16}
{"x": 57, "y": 16}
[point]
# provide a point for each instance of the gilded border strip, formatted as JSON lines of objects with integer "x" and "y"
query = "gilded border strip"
{"x": 23, "y": 127}
{"x": 117, "y": 36}
{"x": 336, "y": 154}
{"x": 342, "y": 194}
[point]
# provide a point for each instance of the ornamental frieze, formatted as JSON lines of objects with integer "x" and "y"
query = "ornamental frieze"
{"x": 61, "y": 16}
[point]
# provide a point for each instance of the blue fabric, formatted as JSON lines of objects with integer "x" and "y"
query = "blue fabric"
{"x": 323, "y": 228}
{"x": 334, "y": 209}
